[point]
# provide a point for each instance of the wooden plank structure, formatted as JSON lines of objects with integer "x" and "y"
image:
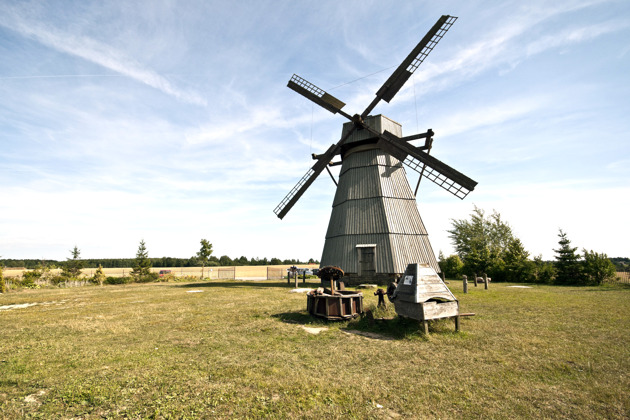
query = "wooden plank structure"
{"x": 375, "y": 228}
{"x": 343, "y": 304}
{"x": 422, "y": 295}
{"x": 333, "y": 304}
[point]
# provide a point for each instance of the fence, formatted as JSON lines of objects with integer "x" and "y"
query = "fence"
{"x": 274, "y": 273}
{"x": 259, "y": 272}
{"x": 622, "y": 277}
{"x": 227, "y": 273}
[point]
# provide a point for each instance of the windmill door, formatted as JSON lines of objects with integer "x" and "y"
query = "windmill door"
{"x": 367, "y": 264}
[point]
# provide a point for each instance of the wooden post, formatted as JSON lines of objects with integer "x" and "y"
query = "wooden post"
{"x": 457, "y": 323}
{"x": 288, "y": 277}
{"x": 296, "y": 279}
{"x": 425, "y": 324}
{"x": 475, "y": 279}
{"x": 485, "y": 281}
{"x": 304, "y": 277}
{"x": 465, "y": 283}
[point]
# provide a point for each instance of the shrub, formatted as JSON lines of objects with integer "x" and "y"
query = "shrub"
{"x": 118, "y": 280}
{"x": 167, "y": 277}
{"x": 452, "y": 266}
{"x": 543, "y": 272}
{"x": 57, "y": 280}
{"x": 29, "y": 278}
{"x": 3, "y": 286}
{"x": 597, "y": 268}
{"x": 99, "y": 277}
{"x": 147, "y": 278}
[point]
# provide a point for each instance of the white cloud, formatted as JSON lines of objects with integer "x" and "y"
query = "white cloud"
{"x": 95, "y": 52}
{"x": 574, "y": 35}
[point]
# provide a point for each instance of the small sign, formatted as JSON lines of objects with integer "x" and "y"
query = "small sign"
{"x": 408, "y": 280}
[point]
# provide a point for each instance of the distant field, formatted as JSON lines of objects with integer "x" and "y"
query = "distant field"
{"x": 241, "y": 272}
{"x": 239, "y": 349}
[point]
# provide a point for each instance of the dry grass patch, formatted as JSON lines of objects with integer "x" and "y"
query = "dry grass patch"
{"x": 239, "y": 349}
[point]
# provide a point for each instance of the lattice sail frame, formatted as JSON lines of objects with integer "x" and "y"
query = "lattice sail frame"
{"x": 436, "y": 177}
{"x": 429, "y": 167}
{"x": 293, "y": 191}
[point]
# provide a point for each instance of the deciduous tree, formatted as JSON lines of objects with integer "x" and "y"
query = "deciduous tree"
{"x": 518, "y": 267}
{"x": 204, "y": 253}
{"x": 597, "y": 268}
{"x": 481, "y": 241}
{"x": 225, "y": 260}
{"x": 479, "y": 233}
{"x": 486, "y": 244}
{"x": 451, "y": 266}
{"x": 544, "y": 272}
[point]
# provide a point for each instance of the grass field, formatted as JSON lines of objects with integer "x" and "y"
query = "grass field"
{"x": 241, "y": 350}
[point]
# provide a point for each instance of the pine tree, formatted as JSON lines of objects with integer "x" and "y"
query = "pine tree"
{"x": 73, "y": 266}
{"x": 142, "y": 268}
{"x": 567, "y": 262}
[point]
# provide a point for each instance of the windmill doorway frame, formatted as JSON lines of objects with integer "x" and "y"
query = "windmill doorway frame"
{"x": 366, "y": 257}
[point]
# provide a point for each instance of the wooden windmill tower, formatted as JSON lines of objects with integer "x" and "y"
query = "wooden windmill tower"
{"x": 375, "y": 228}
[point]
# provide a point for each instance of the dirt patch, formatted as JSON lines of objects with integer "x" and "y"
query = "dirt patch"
{"x": 32, "y": 399}
{"x": 367, "y": 334}
{"x": 17, "y": 306}
{"x": 314, "y": 330}
{"x": 26, "y": 305}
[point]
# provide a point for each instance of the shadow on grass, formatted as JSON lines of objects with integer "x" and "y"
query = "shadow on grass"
{"x": 392, "y": 327}
{"x": 299, "y": 317}
{"x": 366, "y": 325}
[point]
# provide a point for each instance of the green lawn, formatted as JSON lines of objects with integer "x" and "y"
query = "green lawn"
{"x": 239, "y": 350}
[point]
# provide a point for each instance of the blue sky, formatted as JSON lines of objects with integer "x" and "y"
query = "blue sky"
{"x": 171, "y": 121}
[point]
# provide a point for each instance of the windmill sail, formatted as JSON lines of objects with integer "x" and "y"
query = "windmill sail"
{"x": 409, "y": 65}
{"x": 311, "y": 175}
{"x": 315, "y": 94}
{"x": 428, "y": 166}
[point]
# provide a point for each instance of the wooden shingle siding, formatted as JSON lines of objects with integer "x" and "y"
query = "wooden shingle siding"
{"x": 374, "y": 204}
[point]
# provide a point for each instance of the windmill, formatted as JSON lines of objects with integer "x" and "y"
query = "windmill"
{"x": 375, "y": 228}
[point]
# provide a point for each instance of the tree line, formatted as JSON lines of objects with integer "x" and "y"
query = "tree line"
{"x": 141, "y": 266}
{"x": 486, "y": 244}
{"x": 155, "y": 262}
